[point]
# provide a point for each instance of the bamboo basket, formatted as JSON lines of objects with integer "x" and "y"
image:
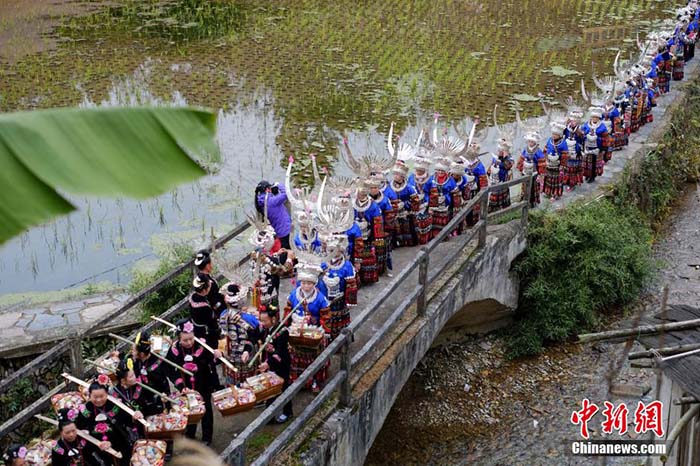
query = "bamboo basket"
{"x": 184, "y": 406}
{"x": 235, "y": 394}
{"x": 174, "y": 429}
{"x": 140, "y": 453}
{"x": 304, "y": 336}
{"x": 67, "y": 400}
{"x": 265, "y": 386}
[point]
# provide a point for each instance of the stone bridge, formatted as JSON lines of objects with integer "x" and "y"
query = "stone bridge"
{"x": 456, "y": 282}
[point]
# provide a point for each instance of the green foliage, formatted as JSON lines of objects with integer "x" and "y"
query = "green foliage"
{"x": 91, "y": 348}
{"x": 579, "y": 262}
{"x": 176, "y": 20}
{"x": 173, "y": 291}
{"x": 15, "y": 399}
{"x": 588, "y": 259}
{"x": 136, "y": 152}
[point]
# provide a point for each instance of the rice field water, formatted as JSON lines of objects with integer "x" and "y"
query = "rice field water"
{"x": 289, "y": 77}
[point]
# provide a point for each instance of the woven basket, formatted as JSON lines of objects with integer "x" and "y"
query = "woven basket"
{"x": 239, "y": 407}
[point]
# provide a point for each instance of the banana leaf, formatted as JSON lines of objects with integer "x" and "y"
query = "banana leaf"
{"x": 111, "y": 152}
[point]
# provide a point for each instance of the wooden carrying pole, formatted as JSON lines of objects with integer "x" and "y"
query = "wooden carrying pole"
{"x": 272, "y": 334}
{"x": 165, "y": 360}
{"x": 82, "y": 434}
{"x": 114, "y": 400}
{"x": 204, "y": 344}
{"x": 642, "y": 330}
{"x": 140, "y": 384}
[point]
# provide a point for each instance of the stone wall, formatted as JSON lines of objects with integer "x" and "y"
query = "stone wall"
{"x": 346, "y": 436}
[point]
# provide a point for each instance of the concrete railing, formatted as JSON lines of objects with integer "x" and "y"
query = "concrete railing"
{"x": 235, "y": 453}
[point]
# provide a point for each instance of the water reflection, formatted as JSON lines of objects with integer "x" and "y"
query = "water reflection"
{"x": 305, "y": 73}
{"x": 105, "y": 238}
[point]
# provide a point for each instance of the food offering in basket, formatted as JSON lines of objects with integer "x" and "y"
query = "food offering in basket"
{"x": 192, "y": 405}
{"x": 108, "y": 366}
{"x": 67, "y": 400}
{"x": 303, "y": 334}
{"x": 148, "y": 453}
{"x": 166, "y": 425}
{"x": 266, "y": 385}
{"x": 160, "y": 344}
{"x": 233, "y": 400}
{"x": 39, "y": 452}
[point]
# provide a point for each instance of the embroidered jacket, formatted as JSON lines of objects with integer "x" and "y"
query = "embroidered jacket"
{"x": 316, "y": 307}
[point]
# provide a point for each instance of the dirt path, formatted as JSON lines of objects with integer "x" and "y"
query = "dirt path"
{"x": 471, "y": 406}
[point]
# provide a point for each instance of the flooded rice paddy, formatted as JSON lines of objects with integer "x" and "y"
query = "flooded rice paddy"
{"x": 287, "y": 78}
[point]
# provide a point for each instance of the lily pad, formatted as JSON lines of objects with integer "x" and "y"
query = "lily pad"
{"x": 561, "y": 71}
{"x": 525, "y": 98}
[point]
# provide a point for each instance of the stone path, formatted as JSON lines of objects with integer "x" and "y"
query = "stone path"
{"x": 27, "y": 331}
{"x": 24, "y": 329}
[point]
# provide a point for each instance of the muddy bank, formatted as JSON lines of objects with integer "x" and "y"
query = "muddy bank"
{"x": 466, "y": 404}
{"x": 27, "y": 24}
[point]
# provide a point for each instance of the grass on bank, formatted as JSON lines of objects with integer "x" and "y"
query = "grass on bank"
{"x": 589, "y": 259}
{"x": 170, "y": 293}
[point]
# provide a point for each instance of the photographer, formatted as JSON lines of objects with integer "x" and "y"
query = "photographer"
{"x": 277, "y": 212}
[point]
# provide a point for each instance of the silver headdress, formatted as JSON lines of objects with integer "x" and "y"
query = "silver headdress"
{"x": 369, "y": 164}
{"x": 309, "y": 260}
{"x": 263, "y": 235}
{"x": 333, "y": 221}
{"x": 448, "y": 147}
{"x": 400, "y": 151}
{"x": 532, "y": 130}
{"x": 301, "y": 199}
{"x": 596, "y": 101}
{"x": 506, "y": 133}
{"x": 557, "y": 121}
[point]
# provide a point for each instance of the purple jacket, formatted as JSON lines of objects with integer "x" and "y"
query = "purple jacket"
{"x": 277, "y": 211}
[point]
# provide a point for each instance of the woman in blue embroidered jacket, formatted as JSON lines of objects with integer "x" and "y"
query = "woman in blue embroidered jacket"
{"x": 368, "y": 217}
{"x": 532, "y": 162}
{"x": 382, "y": 243}
{"x": 555, "y": 149}
{"x": 338, "y": 283}
{"x": 596, "y": 126}
{"x": 308, "y": 303}
{"x": 501, "y": 171}
{"x": 406, "y": 204}
{"x": 438, "y": 195}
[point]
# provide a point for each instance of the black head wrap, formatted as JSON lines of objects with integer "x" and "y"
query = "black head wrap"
{"x": 143, "y": 342}
{"x": 97, "y": 386}
{"x": 200, "y": 282}
{"x": 66, "y": 416}
{"x": 184, "y": 325}
{"x": 202, "y": 259}
{"x": 13, "y": 452}
{"x": 122, "y": 369}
